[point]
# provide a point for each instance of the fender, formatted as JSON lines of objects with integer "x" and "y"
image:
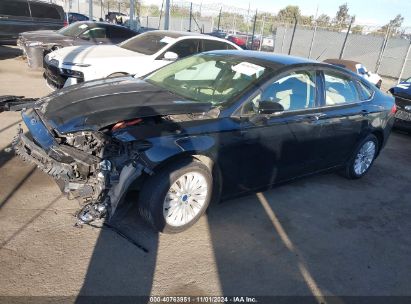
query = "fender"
{"x": 165, "y": 149}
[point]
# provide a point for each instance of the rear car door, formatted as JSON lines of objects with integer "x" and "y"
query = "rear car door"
{"x": 15, "y": 18}
{"x": 281, "y": 146}
{"x": 344, "y": 116}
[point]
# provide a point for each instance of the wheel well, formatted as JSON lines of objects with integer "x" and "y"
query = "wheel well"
{"x": 380, "y": 137}
{"x": 206, "y": 160}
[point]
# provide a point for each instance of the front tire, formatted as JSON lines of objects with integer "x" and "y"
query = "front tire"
{"x": 175, "y": 198}
{"x": 362, "y": 158}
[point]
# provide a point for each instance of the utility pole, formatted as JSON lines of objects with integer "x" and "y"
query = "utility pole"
{"x": 252, "y": 37}
{"x": 167, "y": 16}
{"x": 219, "y": 18}
{"x": 345, "y": 39}
{"x": 132, "y": 11}
{"x": 90, "y": 9}
{"x": 191, "y": 15}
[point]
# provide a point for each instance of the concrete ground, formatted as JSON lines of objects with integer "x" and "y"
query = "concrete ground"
{"x": 322, "y": 235}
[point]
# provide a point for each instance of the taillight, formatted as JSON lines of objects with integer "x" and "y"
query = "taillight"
{"x": 66, "y": 23}
{"x": 394, "y": 109}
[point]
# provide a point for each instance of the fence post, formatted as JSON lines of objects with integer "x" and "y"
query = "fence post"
{"x": 382, "y": 51}
{"x": 404, "y": 63}
{"x": 312, "y": 40}
{"x": 191, "y": 14}
{"x": 345, "y": 39}
{"x": 78, "y": 6}
{"x": 252, "y": 37}
{"x": 147, "y": 21}
{"x": 292, "y": 37}
{"x": 161, "y": 13}
{"x": 90, "y": 10}
{"x": 262, "y": 33}
{"x": 219, "y": 18}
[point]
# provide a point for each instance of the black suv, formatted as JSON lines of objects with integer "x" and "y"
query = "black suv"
{"x": 17, "y": 16}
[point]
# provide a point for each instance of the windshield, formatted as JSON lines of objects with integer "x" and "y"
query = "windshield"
{"x": 73, "y": 30}
{"x": 148, "y": 43}
{"x": 209, "y": 77}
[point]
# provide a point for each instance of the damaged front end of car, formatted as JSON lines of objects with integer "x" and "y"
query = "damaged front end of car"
{"x": 95, "y": 147}
{"x": 90, "y": 166}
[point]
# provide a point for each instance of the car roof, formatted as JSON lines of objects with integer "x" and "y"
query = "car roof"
{"x": 276, "y": 59}
{"x": 95, "y": 23}
{"x": 180, "y": 35}
{"x": 349, "y": 64}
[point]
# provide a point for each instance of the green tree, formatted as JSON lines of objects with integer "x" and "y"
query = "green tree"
{"x": 288, "y": 13}
{"x": 324, "y": 20}
{"x": 342, "y": 18}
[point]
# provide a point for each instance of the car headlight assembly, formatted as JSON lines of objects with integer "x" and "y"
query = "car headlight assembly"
{"x": 73, "y": 73}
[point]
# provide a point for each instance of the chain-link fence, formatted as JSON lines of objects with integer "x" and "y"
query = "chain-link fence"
{"x": 382, "y": 49}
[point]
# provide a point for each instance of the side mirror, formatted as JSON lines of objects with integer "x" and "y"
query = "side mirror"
{"x": 269, "y": 107}
{"x": 362, "y": 71}
{"x": 170, "y": 56}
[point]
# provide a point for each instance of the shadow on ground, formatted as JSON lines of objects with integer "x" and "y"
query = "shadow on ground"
{"x": 319, "y": 236}
{"x": 8, "y": 52}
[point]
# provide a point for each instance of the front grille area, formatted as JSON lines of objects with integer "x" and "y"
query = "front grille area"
{"x": 52, "y": 74}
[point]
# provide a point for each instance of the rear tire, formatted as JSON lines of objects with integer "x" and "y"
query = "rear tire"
{"x": 363, "y": 158}
{"x": 176, "y": 197}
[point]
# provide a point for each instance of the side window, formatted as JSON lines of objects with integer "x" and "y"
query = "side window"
{"x": 295, "y": 91}
{"x": 185, "y": 48}
{"x": 42, "y": 10}
{"x": 94, "y": 33}
{"x": 339, "y": 89}
{"x": 14, "y": 8}
{"x": 366, "y": 92}
{"x": 211, "y": 45}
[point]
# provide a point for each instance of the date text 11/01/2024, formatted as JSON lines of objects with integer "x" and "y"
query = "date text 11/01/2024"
{"x": 201, "y": 299}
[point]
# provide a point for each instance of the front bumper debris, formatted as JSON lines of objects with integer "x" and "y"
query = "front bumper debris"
{"x": 15, "y": 103}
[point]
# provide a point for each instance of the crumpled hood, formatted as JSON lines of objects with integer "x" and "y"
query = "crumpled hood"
{"x": 96, "y": 104}
{"x": 92, "y": 54}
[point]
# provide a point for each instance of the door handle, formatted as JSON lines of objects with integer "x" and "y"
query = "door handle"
{"x": 364, "y": 112}
{"x": 315, "y": 117}
{"x": 4, "y": 17}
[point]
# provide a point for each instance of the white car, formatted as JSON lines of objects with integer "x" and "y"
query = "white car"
{"x": 357, "y": 68}
{"x": 136, "y": 56}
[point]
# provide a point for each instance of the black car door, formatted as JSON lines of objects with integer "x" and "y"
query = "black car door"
{"x": 343, "y": 117}
{"x": 283, "y": 145}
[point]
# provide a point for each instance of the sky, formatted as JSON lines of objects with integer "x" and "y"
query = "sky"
{"x": 375, "y": 12}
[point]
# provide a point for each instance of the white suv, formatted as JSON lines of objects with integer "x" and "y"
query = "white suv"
{"x": 136, "y": 56}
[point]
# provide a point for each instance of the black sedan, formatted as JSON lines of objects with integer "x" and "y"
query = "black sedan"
{"x": 35, "y": 45}
{"x": 207, "y": 127}
{"x": 402, "y": 94}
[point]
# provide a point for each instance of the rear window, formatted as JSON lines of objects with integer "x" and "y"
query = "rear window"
{"x": 120, "y": 33}
{"x": 14, "y": 8}
{"x": 43, "y": 10}
{"x": 149, "y": 43}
